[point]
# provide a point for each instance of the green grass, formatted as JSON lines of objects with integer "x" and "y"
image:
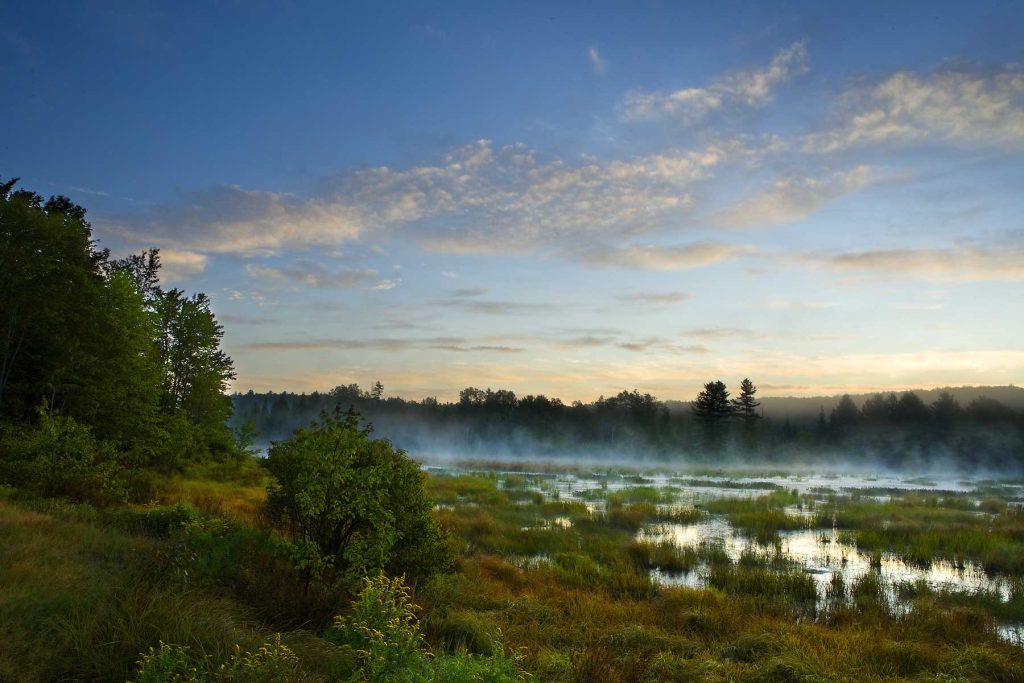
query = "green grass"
{"x": 78, "y": 600}
{"x": 921, "y": 529}
{"x": 84, "y": 591}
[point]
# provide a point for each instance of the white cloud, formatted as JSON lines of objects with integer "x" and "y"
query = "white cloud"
{"x": 751, "y": 88}
{"x": 790, "y": 199}
{"x": 177, "y": 265}
{"x": 231, "y": 219}
{"x": 480, "y": 199}
{"x": 951, "y": 105}
{"x": 663, "y": 257}
{"x": 596, "y": 61}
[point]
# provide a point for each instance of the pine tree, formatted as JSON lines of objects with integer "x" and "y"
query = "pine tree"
{"x": 713, "y": 410}
{"x": 712, "y": 404}
{"x": 745, "y": 406}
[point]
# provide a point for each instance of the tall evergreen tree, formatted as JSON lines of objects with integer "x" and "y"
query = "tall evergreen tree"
{"x": 712, "y": 405}
{"x": 745, "y": 405}
{"x": 713, "y": 410}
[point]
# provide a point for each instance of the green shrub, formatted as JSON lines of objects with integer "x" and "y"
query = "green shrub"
{"x": 356, "y": 501}
{"x": 381, "y": 628}
{"x": 61, "y": 457}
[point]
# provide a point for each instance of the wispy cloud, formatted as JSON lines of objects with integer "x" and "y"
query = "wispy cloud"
{"x": 596, "y": 61}
{"x": 313, "y": 274}
{"x": 791, "y": 198}
{"x": 490, "y": 307}
{"x": 466, "y": 292}
{"x": 654, "y": 297}
{"x": 480, "y": 199}
{"x": 86, "y": 190}
{"x": 233, "y": 319}
{"x": 717, "y": 333}
{"x": 957, "y": 264}
{"x": 231, "y": 219}
{"x": 957, "y": 106}
{"x": 626, "y": 344}
{"x": 749, "y": 88}
{"x": 662, "y": 257}
{"x": 387, "y": 344}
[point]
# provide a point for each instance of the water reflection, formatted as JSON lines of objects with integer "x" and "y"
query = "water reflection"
{"x": 823, "y": 555}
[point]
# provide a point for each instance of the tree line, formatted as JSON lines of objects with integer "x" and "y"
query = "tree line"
{"x": 896, "y": 428}
{"x": 93, "y": 350}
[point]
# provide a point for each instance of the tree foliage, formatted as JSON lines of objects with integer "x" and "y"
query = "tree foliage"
{"x": 745, "y": 405}
{"x": 712, "y": 405}
{"x": 354, "y": 504}
{"x": 100, "y": 345}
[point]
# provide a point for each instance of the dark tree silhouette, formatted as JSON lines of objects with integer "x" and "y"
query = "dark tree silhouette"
{"x": 712, "y": 405}
{"x": 745, "y": 406}
{"x": 713, "y": 409}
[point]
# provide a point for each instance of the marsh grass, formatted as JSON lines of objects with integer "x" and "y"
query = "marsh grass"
{"x": 84, "y": 591}
{"x": 762, "y": 518}
{"x": 922, "y": 529}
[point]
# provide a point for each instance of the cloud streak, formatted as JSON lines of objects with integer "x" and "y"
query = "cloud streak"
{"x": 655, "y": 298}
{"x": 313, "y": 274}
{"x": 952, "y": 264}
{"x": 740, "y": 89}
{"x": 663, "y": 257}
{"x": 385, "y": 344}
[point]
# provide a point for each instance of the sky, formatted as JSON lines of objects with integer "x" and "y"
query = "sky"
{"x": 561, "y": 198}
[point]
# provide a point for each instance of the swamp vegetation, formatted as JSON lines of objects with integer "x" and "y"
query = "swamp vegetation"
{"x": 143, "y": 540}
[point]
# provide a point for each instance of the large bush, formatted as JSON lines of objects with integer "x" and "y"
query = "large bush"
{"x": 353, "y": 505}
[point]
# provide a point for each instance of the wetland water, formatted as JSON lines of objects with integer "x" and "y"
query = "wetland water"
{"x": 819, "y": 550}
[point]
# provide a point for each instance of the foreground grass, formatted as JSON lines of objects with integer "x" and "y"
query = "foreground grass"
{"x": 77, "y": 600}
{"x": 84, "y": 592}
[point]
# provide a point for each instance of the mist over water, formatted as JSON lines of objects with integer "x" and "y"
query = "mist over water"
{"x": 885, "y": 433}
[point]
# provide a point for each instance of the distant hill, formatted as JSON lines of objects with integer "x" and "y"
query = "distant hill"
{"x": 800, "y": 408}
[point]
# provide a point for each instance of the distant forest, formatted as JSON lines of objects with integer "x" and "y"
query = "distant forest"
{"x": 957, "y": 427}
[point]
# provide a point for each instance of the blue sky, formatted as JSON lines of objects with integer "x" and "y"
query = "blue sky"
{"x": 569, "y": 198}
